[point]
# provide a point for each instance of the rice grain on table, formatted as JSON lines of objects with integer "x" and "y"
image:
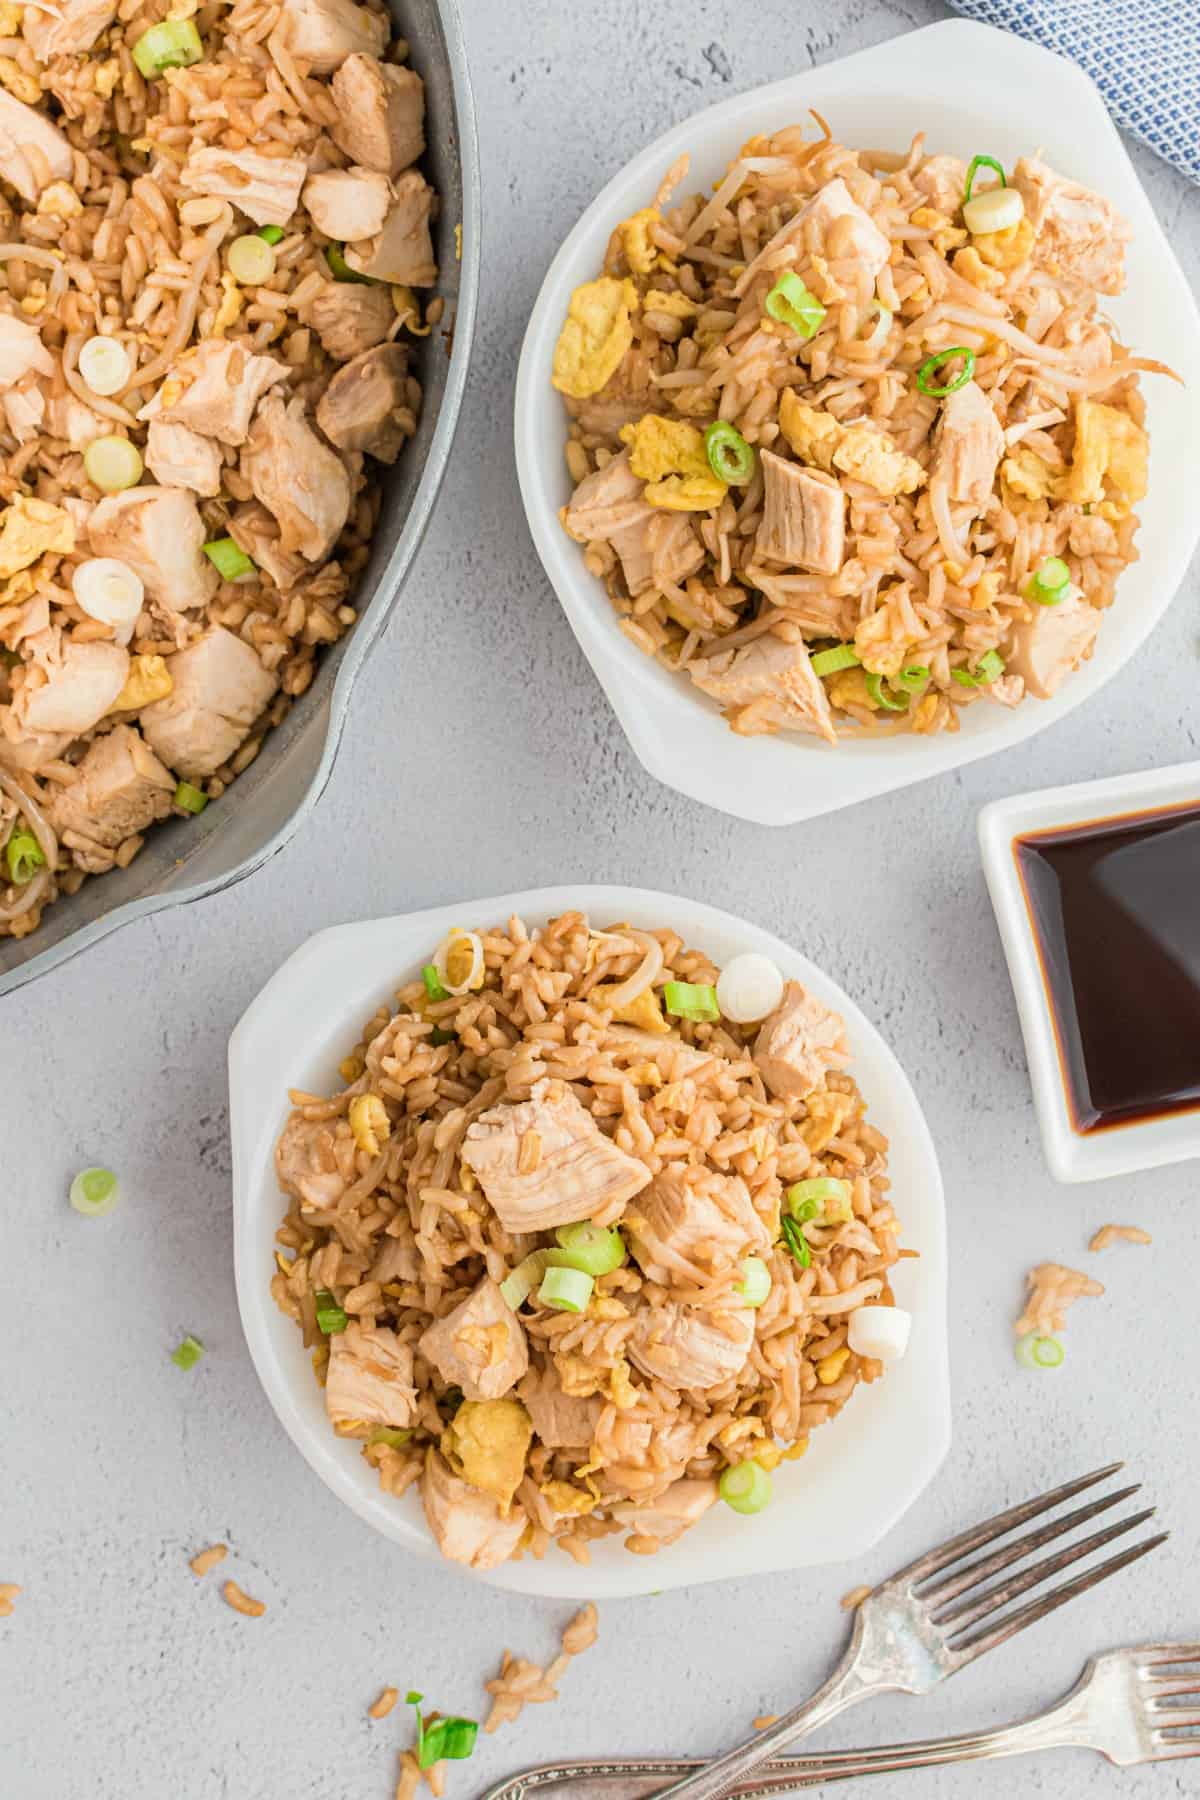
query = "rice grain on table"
{"x": 241, "y": 1602}
{"x": 204, "y": 1560}
{"x": 9, "y": 1591}
{"x": 384, "y": 1703}
{"x": 1112, "y": 1234}
{"x": 1051, "y": 1290}
{"x": 521, "y": 1683}
{"x": 850, "y": 1602}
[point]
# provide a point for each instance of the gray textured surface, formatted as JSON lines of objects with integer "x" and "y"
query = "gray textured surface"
{"x": 121, "y": 1678}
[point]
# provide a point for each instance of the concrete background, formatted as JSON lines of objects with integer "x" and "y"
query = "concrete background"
{"x": 121, "y": 1677}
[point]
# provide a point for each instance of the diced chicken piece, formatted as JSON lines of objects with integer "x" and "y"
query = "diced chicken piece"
{"x": 27, "y": 751}
{"x": 626, "y": 396}
{"x": 685, "y": 1348}
{"x": 468, "y": 1524}
{"x": 158, "y": 531}
{"x": 480, "y": 1346}
{"x": 265, "y": 188}
{"x": 33, "y": 151}
{"x": 689, "y": 1223}
{"x": 177, "y": 456}
{"x": 579, "y": 1172}
{"x": 323, "y": 33}
{"x": 214, "y": 390}
{"x": 122, "y": 787}
{"x": 348, "y": 203}
{"x": 68, "y": 418}
{"x": 349, "y": 318}
{"x": 804, "y": 517}
{"x": 859, "y": 240}
{"x": 664, "y": 547}
{"x": 71, "y": 28}
{"x": 799, "y": 1043}
{"x": 398, "y": 1260}
{"x": 968, "y": 446}
{"x": 606, "y": 502}
{"x": 1054, "y": 642}
{"x": 668, "y": 1517}
{"x": 313, "y": 1163}
{"x": 560, "y": 1421}
{"x": 82, "y": 681}
{"x": 774, "y": 679}
{"x": 253, "y": 529}
{"x": 1080, "y": 235}
{"x": 370, "y": 1378}
{"x": 25, "y": 411}
{"x": 943, "y": 181}
{"x": 367, "y": 405}
{"x": 381, "y": 114}
{"x": 297, "y": 478}
{"x": 22, "y": 351}
{"x": 220, "y": 689}
{"x": 402, "y": 250}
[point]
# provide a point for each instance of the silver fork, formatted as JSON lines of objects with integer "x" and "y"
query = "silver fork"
{"x": 934, "y": 1617}
{"x": 1129, "y": 1705}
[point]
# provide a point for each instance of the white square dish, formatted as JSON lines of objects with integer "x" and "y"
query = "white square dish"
{"x": 969, "y": 88}
{"x": 1118, "y": 1149}
{"x": 861, "y": 1472}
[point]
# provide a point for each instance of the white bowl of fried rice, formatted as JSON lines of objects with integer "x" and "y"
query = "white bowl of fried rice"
{"x": 892, "y": 560}
{"x": 653, "y": 1123}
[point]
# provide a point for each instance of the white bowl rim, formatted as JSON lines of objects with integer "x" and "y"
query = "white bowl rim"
{"x": 1072, "y": 1155}
{"x": 954, "y": 67}
{"x": 265, "y": 1053}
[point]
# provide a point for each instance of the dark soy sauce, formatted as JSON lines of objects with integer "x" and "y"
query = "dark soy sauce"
{"x": 1115, "y": 910}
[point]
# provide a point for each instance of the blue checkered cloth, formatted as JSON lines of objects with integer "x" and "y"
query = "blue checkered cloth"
{"x": 1143, "y": 55}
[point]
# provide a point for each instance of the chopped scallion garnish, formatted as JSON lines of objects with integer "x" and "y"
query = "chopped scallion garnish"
{"x": 596, "y": 1249}
{"x": 988, "y": 669}
{"x": 340, "y": 269}
{"x": 517, "y": 1287}
{"x": 566, "y": 1290}
{"x": 433, "y": 982}
{"x": 395, "y": 1436}
{"x": 934, "y": 362}
{"x": 187, "y": 1353}
{"x": 982, "y": 162}
{"x": 172, "y": 44}
{"x": 793, "y": 305}
{"x": 94, "y": 1192}
{"x": 446, "y": 1740}
{"x": 881, "y": 696}
{"x": 1049, "y": 582}
{"x": 1034, "y": 1352}
{"x": 841, "y": 656}
{"x": 192, "y": 799}
{"x": 824, "y": 1197}
{"x": 797, "y": 1243}
{"x": 330, "y": 1317}
{"x": 755, "y": 1285}
{"x": 691, "y": 1000}
{"x": 24, "y": 856}
{"x": 914, "y": 677}
{"x": 271, "y": 234}
{"x": 228, "y": 559}
{"x": 730, "y": 457}
{"x": 746, "y": 1487}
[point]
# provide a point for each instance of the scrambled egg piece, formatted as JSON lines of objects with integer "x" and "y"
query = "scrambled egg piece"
{"x": 1108, "y": 445}
{"x": 19, "y": 81}
{"x": 486, "y": 1443}
{"x": 686, "y": 493}
{"x": 148, "y": 679}
{"x": 644, "y": 1012}
{"x": 677, "y": 305}
{"x": 882, "y": 640}
{"x": 28, "y": 529}
{"x": 970, "y": 265}
{"x": 369, "y": 1123}
{"x": 567, "y": 1500}
{"x": 856, "y": 450}
{"x": 10, "y": 18}
{"x": 230, "y": 305}
{"x": 59, "y": 200}
{"x": 946, "y": 236}
{"x": 595, "y": 336}
{"x": 830, "y": 1367}
{"x": 1006, "y": 249}
{"x": 621, "y": 1390}
{"x": 827, "y": 1113}
{"x": 659, "y": 447}
{"x": 107, "y": 76}
{"x": 849, "y": 688}
{"x": 1028, "y": 475}
{"x": 641, "y": 252}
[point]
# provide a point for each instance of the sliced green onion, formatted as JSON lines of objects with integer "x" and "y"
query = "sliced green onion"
{"x": 517, "y": 1287}
{"x": 330, "y": 1317}
{"x": 446, "y": 1740}
{"x": 190, "y": 798}
{"x": 173, "y": 44}
{"x": 691, "y": 1000}
{"x": 94, "y": 1192}
{"x": 340, "y": 269}
{"x": 1049, "y": 582}
{"x": 113, "y": 464}
{"x": 1034, "y": 1352}
{"x": 818, "y": 1198}
{"x": 24, "y": 856}
{"x": 881, "y": 697}
{"x": 797, "y": 1243}
{"x": 730, "y": 457}
{"x": 251, "y": 260}
{"x": 913, "y": 677}
{"x": 271, "y": 234}
{"x": 793, "y": 305}
{"x": 746, "y": 1487}
{"x": 439, "y": 1036}
{"x": 433, "y": 982}
{"x": 228, "y": 559}
{"x": 394, "y": 1435}
{"x": 596, "y": 1249}
{"x": 987, "y": 669}
{"x": 842, "y": 656}
{"x": 566, "y": 1290}
{"x": 982, "y": 162}
{"x": 755, "y": 1284}
{"x": 935, "y": 361}
{"x": 187, "y": 1354}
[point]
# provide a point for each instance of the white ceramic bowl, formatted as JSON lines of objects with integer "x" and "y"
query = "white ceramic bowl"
{"x": 969, "y": 88}
{"x": 1114, "y": 1150}
{"x": 861, "y": 1472}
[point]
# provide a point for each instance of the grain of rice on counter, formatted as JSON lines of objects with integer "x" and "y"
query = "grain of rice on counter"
{"x": 214, "y": 237}
{"x": 854, "y": 444}
{"x": 595, "y": 1235}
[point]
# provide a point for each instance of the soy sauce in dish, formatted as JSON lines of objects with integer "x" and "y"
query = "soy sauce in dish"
{"x": 1115, "y": 910}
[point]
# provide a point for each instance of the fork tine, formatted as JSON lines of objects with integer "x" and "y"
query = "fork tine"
{"x": 1156, "y": 1655}
{"x": 940, "y": 1593}
{"x": 1008, "y": 1627}
{"x": 1161, "y": 1688}
{"x": 958, "y": 1547}
{"x": 1172, "y": 1752}
{"x": 956, "y": 1619}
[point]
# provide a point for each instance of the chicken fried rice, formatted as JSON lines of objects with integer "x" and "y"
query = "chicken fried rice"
{"x": 594, "y": 1235}
{"x": 213, "y": 238}
{"x": 854, "y": 446}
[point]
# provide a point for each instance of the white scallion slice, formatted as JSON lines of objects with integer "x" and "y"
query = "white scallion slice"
{"x": 105, "y": 365}
{"x": 251, "y": 260}
{"x": 461, "y": 955}
{"x": 109, "y": 591}
{"x": 749, "y": 987}
{"x": 996, "y": 209}
{"x": 113, "y": 464}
